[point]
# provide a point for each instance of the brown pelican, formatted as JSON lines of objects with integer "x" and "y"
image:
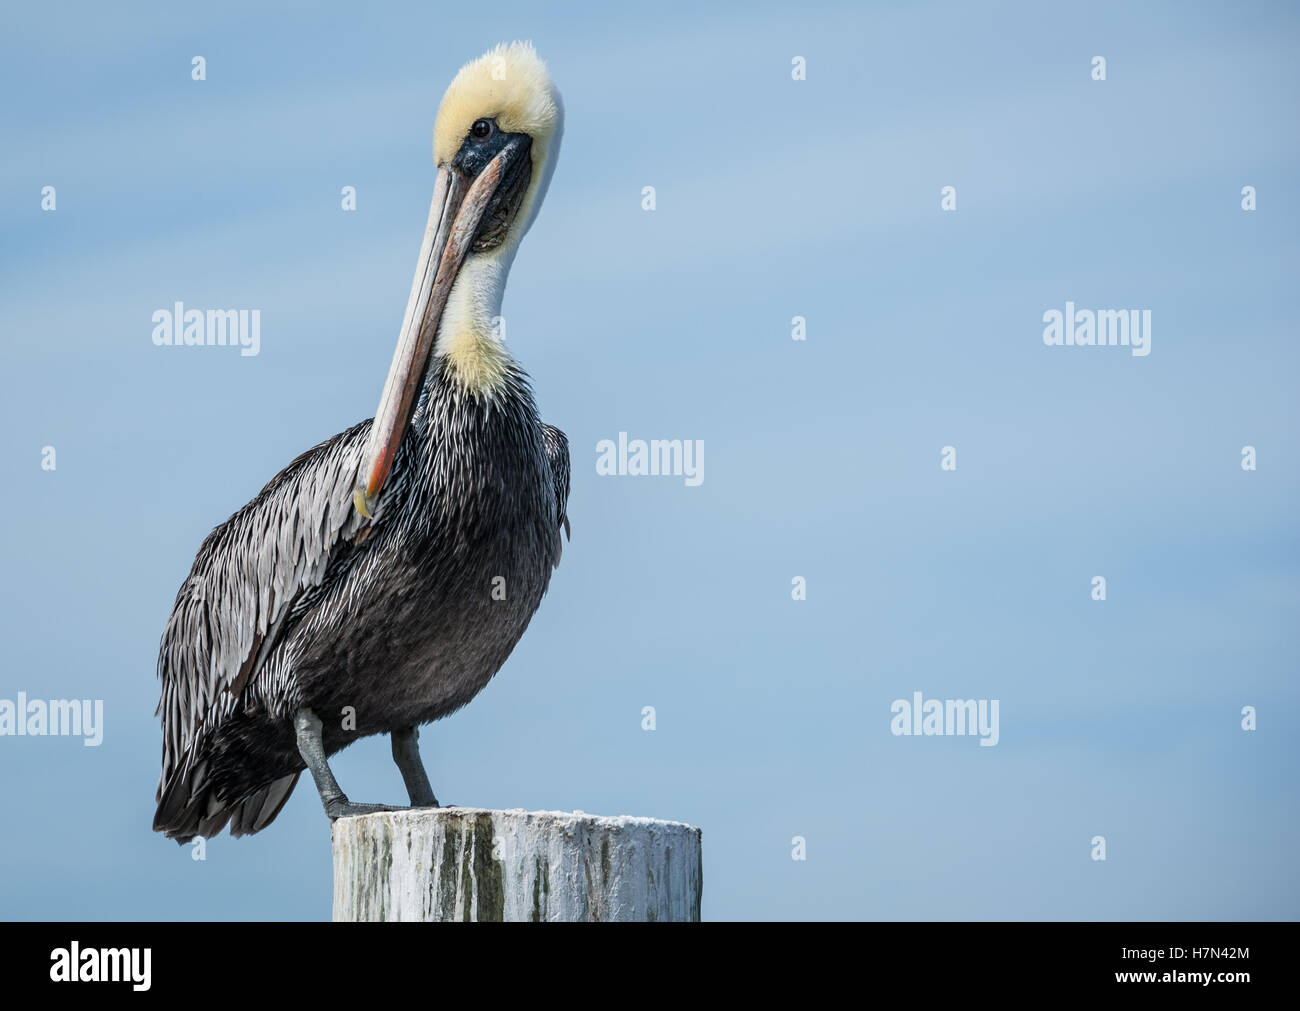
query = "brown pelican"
{"x": 380, "y": 580}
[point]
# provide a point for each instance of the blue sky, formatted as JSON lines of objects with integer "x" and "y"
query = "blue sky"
{"x": 775, "y": 198}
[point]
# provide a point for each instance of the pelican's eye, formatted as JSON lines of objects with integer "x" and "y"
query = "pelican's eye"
{"x": 481, "y": 130}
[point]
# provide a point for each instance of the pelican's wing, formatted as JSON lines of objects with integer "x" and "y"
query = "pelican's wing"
{"x": 245, "y": 579}
{"x": 557, "y": 451}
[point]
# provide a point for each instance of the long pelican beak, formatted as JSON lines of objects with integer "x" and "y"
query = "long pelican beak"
{"x": 459, "y": 203}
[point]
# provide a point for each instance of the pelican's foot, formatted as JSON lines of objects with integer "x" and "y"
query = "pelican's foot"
{"x": 341, "y": 807}
{"x": 406, "y": 753}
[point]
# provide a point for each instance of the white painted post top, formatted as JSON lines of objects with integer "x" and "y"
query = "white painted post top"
{"x": 458, "y": 863}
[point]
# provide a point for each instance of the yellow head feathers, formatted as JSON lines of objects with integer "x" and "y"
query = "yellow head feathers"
{"x": 509, "y": 83}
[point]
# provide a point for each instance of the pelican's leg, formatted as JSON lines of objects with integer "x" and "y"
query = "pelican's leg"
{"x": 312, "y": 749}
{"x": 406, "y": 753}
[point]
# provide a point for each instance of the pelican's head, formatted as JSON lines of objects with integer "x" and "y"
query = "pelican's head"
{"x": 494, "y": 145}
{"x": 501, "y": 108}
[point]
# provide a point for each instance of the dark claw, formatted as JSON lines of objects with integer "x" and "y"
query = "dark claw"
{"x": 344, "y": 808}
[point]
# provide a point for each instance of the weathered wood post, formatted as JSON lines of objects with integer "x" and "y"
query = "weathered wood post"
{"x": 461, "y": 863}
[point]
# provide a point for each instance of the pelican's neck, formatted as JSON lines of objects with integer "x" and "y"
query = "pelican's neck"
{"x": 471, "y": 334}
